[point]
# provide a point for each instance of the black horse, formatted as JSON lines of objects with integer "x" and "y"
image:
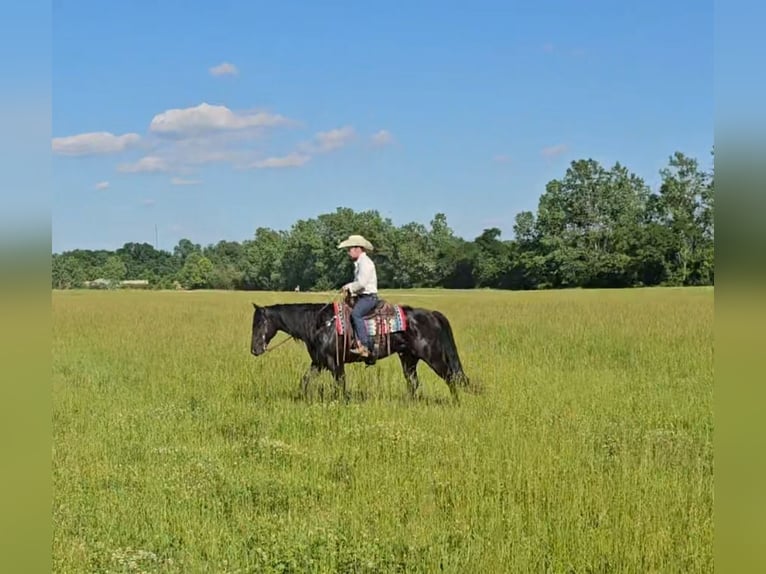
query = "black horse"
{"x": 427, "y": 337}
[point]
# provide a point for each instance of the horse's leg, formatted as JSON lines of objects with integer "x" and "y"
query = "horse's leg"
{"x": 340, "y": 377}
{"x": 409, "y": 367}
{"x": 440, "y": 367}
{"x": 310, "y": 374}
{"x": 339, "y": 373}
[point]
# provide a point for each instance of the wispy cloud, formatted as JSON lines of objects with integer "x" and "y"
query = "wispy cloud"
{"x": 224, "y": 69}
{"x": 148, "y": 202}
{"x": 502, "y": 158}
{"x": 555, "y": 150}
{"x": 182, "y": 157}
{"x": 147, "y": 164}
{"x": 101, "y": 185}
{"x": 382, "y": 138}
{"x": 291, "y": 160}
{"x": 330, "y": 140}
{"x": 94, "y": 143}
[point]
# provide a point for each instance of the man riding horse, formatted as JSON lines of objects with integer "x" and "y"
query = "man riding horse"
{"x": 413, "y": 333}
{"x": 364, "y": 287}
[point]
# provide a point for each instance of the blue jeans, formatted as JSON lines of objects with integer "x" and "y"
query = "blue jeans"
{"x": 364, "y": 305}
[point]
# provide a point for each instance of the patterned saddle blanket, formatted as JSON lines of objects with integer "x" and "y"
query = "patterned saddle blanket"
{"x": 384, "y": 319}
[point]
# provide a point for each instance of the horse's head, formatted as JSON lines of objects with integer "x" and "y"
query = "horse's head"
{"x": 263, "y": 330}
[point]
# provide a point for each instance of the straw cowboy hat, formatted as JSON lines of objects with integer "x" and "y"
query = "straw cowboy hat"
{"x": 355, "y": 241}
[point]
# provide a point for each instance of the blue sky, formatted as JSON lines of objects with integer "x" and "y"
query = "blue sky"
{"x": 408, "y": 109}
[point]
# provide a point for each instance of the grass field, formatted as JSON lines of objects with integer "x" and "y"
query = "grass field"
{"x": 589, "y": 448}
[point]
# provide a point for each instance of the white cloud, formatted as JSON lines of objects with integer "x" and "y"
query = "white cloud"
{"x": 147, "y": 164}
{"x": 206, "y": 118}
{"x": 224, "y": 69}
{"x": 92, "y": 143}
{"x": 334, "y": 139}
{"x": 182, "y": 181}
{"x": 382, "y": 137}
{"x": 554, "y": 150}
{"x": 102, "y": 185}
{"x": 148, "y": 202}
{"x": 291, "y": 160}
{"x": 324, "y": 142}
{"x": 502, "y": 158}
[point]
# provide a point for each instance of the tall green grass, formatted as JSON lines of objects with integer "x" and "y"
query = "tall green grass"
{"x": 589, "y": 449}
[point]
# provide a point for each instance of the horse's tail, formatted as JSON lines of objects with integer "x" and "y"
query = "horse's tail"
{"x": 449, "y": 350}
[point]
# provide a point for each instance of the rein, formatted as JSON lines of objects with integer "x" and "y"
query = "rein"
{"x": 338, "y": 298}
{"x": 277, "y": 345}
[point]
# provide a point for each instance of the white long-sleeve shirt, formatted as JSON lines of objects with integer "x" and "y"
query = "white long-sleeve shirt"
{"x": 365, "y": 277}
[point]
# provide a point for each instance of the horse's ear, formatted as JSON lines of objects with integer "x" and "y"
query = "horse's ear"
{"x": 255, "y": 306}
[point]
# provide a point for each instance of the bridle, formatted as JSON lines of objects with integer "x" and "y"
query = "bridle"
{"x": 266, "y": 348}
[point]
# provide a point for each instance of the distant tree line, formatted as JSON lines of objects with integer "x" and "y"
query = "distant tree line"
{"x": 595, "y": 227}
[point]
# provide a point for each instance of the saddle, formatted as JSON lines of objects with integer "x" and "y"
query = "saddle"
{"x": 382, "y": 307}
{"x": 385, "y": 318}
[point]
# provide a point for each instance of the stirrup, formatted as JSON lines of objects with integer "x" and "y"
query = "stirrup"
{"x": 360, "y": 350}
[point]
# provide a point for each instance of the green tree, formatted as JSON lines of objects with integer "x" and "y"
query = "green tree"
{"x": 263, "y": 260}
{"x": 304, "y": 254}
{"x": 412, "y": 257}
{"x": 493, "y": 264}
{"x": 461, "y": 274}
{"x": 444, "y": 247}
{"x": 585, "y": 222}
{"x": 228, "y": 259}
{"x": 184, "y": 248}
{"x": 685, "y": 206}
{"x": 114, "y": 269}
{"x": 528, "y": 263}
{"x": 67, "y": 272}
{"x": 196, "y": 272}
